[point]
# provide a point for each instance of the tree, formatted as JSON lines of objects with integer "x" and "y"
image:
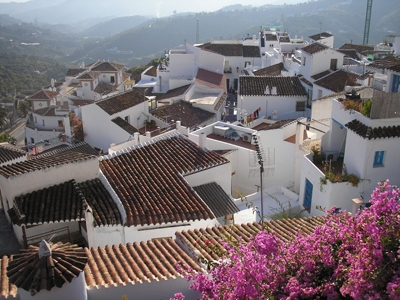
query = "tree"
{"x": 77, "y": 127}
{"x": 3, "y": 117}
{"x": 349, "y": 257}
{"x": 23, "y": 107}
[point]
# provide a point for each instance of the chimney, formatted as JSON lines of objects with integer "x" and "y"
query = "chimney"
{"x": 356, "y": 205}
{"x": 273, "y": 91}
{"x": 202, "y": 141}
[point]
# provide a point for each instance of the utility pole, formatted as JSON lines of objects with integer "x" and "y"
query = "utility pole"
{"x": 367, "y": 21}
{"x": 197, "y": 32}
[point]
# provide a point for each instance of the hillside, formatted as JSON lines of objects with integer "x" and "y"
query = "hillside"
{"x": 345, "y": 19}
{"x": 26, "y": 72}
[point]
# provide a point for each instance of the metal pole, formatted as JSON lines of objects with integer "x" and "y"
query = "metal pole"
{"x": 262, "y": 200}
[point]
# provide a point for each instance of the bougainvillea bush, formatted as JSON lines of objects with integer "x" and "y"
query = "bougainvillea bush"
{"x": 349, "y": 257}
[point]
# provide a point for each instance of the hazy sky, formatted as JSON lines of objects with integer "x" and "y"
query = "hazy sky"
{"x": 190, "y": 6}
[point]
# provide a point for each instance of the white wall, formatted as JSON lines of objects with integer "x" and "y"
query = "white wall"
{"x": 28, "y": 182}
{"x": 101, "y": 132}
{"x": 154, "y": 290}
{"x": 319, "y": 62}
{"x": 76, "y": 289}
{"x": 220, "y": 174}
{"x": 285, "y": 106}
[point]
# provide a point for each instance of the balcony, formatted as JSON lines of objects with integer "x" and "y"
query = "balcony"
{"x": 228, "y": 70}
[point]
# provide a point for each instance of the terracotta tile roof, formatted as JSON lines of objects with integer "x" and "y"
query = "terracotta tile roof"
{"x": 395, "y": 68}
{"x": 46, "y": 111}
{"x": 172, "y": 93}
{"x": 148, "y": 180}
{"x": 211, "y": 79}
{"x": 183, "y": 111}
{"x": 121, "y": 102}
{"x": 274, "y": 70}
{"x": 33, "y": 273}
{"x": 251, "y": 51}
{"x": 9, "y": 152}
{"x": 337, "y": 81}
{"x": 314, "y": 48}
{"x": 221, "y": 101}
{"x": 126, "y": 77}
{"x": 367, "y": 132}
{"x": 43, "y": 95}
{"x": 43, "y": 163}
{"x": 74, "y": 72}
{"x": 320, "y": 75}
{"x": 124, "y": 125}
{"x": 215, "y": 197}
{"x": 349, "y": 53}
{"x": 362, "y": 49}
{"x": 89, "y": 75}
{"x": 58, "y": 203}
{"x": 285, "y": 85}
{"x": 309, "y": 83}
{"x": 80, "y": 147}
{"x": 108, "y": 67}
{"x": 104, "y": 209}
{"x": 319, "y": 36}
{"x": 199, "y": 240}
{"x": 135, "y": 263}
{"x": 151, "y": 72}
{"x": 104, "y": 88}
{"x": 223, "y": 49}
{"x": 385, "y": 63}
{"x": 7, "y": 290}
{"x": 275, "y": 125}
{"x": 271, "y": 37}
{"x": 284, "y": 39}
{"x": 79, "y": 102}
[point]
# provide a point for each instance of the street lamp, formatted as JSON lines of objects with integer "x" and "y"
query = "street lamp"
{"x": 261, "y": 163}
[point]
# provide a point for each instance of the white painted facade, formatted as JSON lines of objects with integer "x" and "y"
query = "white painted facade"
{"x": 76, "y": 289}
{"x": 274, "y": 106}
{"x": 32, "y": 181}
{"x": 154, "y": 290}
{"x": 101, "y": 132}
{"x": 359, "y": 156}
{"x": 312, "y": 64}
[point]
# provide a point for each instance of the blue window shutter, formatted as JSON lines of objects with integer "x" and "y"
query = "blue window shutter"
{"x": 308, "y": 195}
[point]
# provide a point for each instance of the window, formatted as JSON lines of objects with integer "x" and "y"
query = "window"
{"x": 300, "y": 106}
{"x": 319, "y": 93}
{"x": 43, "y": 122}
{"x": 247, "y": 63}
{"x": 35, "y": 120}
{"x": 308, "y": 195}
{"x": 304, "y": 61}
{"x": 333, "y": 64}
{"x": 32, "y": 140}
{"x": 378, "y": 159}
{"x": 60, "y": 123}
{"x": 127, "y": 119}
{"x": 112, "y": 78}
{"x": 396, "y": 83}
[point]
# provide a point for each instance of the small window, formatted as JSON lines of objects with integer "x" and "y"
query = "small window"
{"x": 32, "y": 140}
{"x": 378, "y": 159}
{"x": 43, "y": 122}
{"x": 127, "y": 119}
{"x": 300, "y": 106}
{"x": 60, "y": 123}
{"x": 308, "y": 195}
{"x": 304, "y": 61}
{"x": 319, "y": 93}
{"x": 112, "y": 78}
{"x": 35, "y": 120}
